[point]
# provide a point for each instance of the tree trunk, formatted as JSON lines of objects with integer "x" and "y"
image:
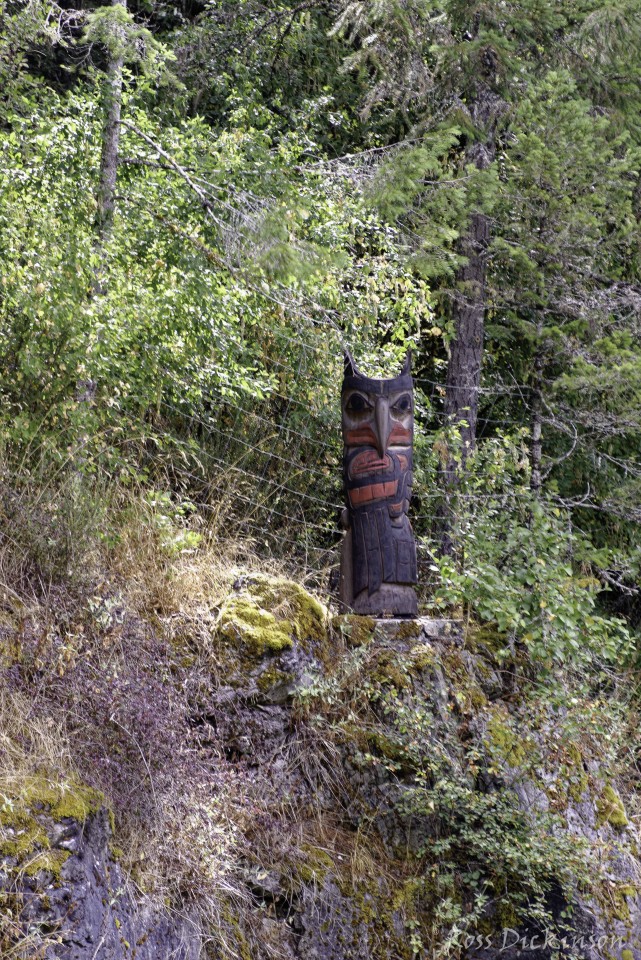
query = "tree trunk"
{"x": 466, "y": 350}
{"x": 537, "y": 415}
{"x": 468, "y": 315}
{"x": 106, "y": 193}
{"x": 110, "y": 143}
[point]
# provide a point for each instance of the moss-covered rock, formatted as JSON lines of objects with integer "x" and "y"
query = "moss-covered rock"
{"x": 460, "y": 675}
{"x": 243, "y": 620}
{"x": 610, "y": 809}
{"x": 504, "y": 741}
{"x": 315, "y": 864}
{"x": 20, "y": 833}
{"x": 269, "y": 614}
{"x": 69, "y": 898}
{"x": 422, "y": 657}
{"x": 49, "y": 861}
{"x": 25, "y": 816}
{"x": 408, "y": 630}
{"x": 63, "y": 799}
{"x": 356, "y": 630}
{"x": 389, "y": 669}
{"x": 577, "y": 778}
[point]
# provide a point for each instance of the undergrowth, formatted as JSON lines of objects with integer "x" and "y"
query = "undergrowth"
{"x": 441, "y": 795}
{"x": 107, "y": 592}
{"x": 111, "y": 595}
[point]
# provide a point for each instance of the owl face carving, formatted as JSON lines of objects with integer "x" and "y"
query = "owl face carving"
{"x": 378, "y": 413}
{"x": 378, "y": 417}
{"x": 378, "y": 431}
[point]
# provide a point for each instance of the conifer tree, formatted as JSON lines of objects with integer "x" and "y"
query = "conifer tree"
{"x": 521, "y": 186}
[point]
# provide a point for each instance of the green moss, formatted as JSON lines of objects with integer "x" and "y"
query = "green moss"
{"x": 317, "y": 864}
{"x": 408, "y": 630}
{"x": 610, "y": 809}
{"x": 48, "y": 861}
{"x": 476, "y": 698}
{"x": 357, "y": 630}
{"x": 505, "y": 742}
{"x": 506, "y": 915}
{"x": 484, "y": 637}
{"x": 65, "y": 800}
{"x": 627, "y": 955}
{"x": 391, "y": 749}
{"x": 272, "y": 677}
{"x": 240, "y": 946}
{"x": 307, "y": 615}
{"x": 620, "y": 908}
{"x": 614, "y": 901}
{"x": 241, "y": 619}
{"x": 407, "y": 894}
{"x": 270, "y": 614}
{"x": 454, "y": 667}
{"x": 577, "y": 782}
{"x": 422, "y": 657}
{"x": 24, "y": 839}
{"x": 467, "y": 693}
{"x": 486, "y": 927}
{"x": 627, "y": 890}
{"x": 388, "y": 670}
{"x": 20, "y": 834}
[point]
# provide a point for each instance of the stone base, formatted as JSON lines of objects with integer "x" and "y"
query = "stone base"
{"x": 419, "y": 629}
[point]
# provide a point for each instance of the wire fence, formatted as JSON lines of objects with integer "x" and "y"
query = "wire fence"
{"x": 269, "y": 470}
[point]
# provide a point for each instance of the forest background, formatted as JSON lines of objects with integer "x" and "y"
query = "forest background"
{"x": 202, "y": 203}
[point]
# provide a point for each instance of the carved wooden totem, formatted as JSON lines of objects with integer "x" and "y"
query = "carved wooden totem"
{"x": 378, "y": 562}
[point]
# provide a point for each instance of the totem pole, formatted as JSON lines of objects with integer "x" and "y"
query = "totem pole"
{"x": 378, "y": 562}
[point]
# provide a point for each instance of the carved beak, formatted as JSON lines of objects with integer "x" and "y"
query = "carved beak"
{"x": 383, "y": 425}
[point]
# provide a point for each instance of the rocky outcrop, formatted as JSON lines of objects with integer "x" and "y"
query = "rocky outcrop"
{"x": 63, "y": 886}
{"x": 419, "y": 740}
{"x": 404, "y": 794}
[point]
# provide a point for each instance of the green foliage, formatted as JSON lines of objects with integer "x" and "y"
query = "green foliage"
{"x": 520, "y": 114}
{"x": 116, "y": 30}
{"x": 242, "y": 258}
{"x": 525, "y": 569}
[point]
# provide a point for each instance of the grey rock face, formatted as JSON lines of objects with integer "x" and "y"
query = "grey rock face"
{"x": 331, "y": 826}
{"x": 87, "y": 913}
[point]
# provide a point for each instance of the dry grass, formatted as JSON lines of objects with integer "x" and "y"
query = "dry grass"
{"x": 93, "y": 690}
{"x": 172, "y": 561}
{"x": 98, "y": 587}
{"x": 179, "y": 813}
{"x": 30, "y": 744}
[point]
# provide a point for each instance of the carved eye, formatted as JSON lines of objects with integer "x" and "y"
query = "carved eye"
{"x": 357, "y": 404}
{"x": 403, "y": 405}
